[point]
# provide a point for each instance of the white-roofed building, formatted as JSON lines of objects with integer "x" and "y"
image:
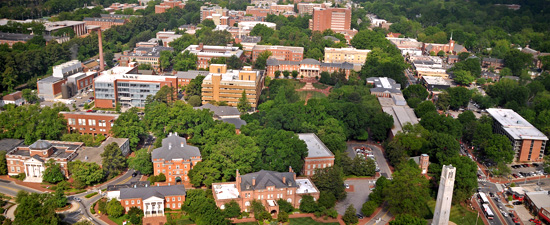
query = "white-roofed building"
{"x": 527, "y": 141}
{"x": 401, "y": 113}
{"x": 384, "y": 87}
{"x": 318, "y": 155}
{"x": 206, "y": 52}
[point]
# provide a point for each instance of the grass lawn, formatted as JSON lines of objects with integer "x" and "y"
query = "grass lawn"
{"x": 297, "y": 84}
{"x": 297, "y": 221}
{"x": 120, "y": 219}
{"x": 459, "y": 214}
{"x": 314, "y": 94}
{"x": 320, "y": 86}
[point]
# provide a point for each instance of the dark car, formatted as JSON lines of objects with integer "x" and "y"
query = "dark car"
{"x": 535, "y": 164}
{"x": 511, "y": 215}
{"x": 491, "y": 194}
{"x": 359, "y": 216}
{"x": 515, "y": 175}
{"x": 517, "y": 203}
{"x": 134, "y": 174}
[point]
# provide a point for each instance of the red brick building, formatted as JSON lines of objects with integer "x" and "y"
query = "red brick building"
{"x": 336, "y": 19}
{"x": 168, "y": 5}
{"x": 449, "y": 48}
{"x": 175, "y": 159}
{"x": 266, "y": 187}
{"x": 104, "y": 23}
{"x": 286, "y": 53}
{"x": 318, "y": 155}
{"x": 306, "y": 68}
{"x": 89, "y": 123}
{"x": 153, "y": 199}
{"x": 31, "y": 159}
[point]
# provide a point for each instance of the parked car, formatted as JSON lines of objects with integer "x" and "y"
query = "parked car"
{"x": 515, "y": 175}
{"x": 359, "y": 216}
{"x": 89, "y": 110}
{"x": 511, "y": 215}
{"x": 517, "y": 203}
{"x": 535, "y": 164}
{"x": 347, "y": 186}
{"x": 491, "y": 194}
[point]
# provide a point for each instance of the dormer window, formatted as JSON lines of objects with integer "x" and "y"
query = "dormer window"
{"x": 44, "y": 152}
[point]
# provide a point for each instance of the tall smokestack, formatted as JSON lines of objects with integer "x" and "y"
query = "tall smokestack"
{"x": 101, "y": 61}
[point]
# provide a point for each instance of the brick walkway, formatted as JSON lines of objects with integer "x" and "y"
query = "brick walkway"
{"x": 156, "y": 220}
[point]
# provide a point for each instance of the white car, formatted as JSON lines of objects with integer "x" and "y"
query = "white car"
{"x": 79, "y": 97}
{"x": 347, "y": 186}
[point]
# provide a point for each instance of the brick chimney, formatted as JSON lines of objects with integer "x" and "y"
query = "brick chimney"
{"x": 284, "y": 180}
{"x": 200, "y": 46}
{"x": 253, "y": 181}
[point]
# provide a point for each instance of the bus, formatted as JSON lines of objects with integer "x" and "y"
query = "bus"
{"x": 488, "y": 213}
{"x": 483, "y": 198}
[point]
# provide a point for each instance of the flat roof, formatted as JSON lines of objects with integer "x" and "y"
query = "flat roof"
{"x": 431, "y": 80}
{"x": 402, "y": 114}
{"x": 50, "y": 79}
{"x": 226, "y": 191}
{"x": 539, "y": 198}
{"x": 305, "y": 186}
{"x": 232, "y": 75}
{"x": 315, "y": 147}
{"x": 515, "y": 125}
{"x": 91, "y": 114}
{"x": 112, "y": 78}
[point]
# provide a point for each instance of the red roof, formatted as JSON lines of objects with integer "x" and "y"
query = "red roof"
{"x": 13, "y": 96}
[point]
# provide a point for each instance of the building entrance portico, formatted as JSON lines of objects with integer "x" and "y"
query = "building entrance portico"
{"x": 153, "y": 206}
{"x": 34, "y": 169}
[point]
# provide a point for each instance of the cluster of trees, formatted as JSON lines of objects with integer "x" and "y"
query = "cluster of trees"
{"x": 32, "y": 122}
{"x": 477, "y": 25}
{"x": 36, "y": 208}
{"x": 202, "y": 209}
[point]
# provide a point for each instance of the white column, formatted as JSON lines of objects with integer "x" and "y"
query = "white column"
{"x": 26, "y": 167}
{"x": 161, "y": 208}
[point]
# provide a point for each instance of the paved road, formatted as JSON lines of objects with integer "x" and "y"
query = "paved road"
{"x": 382, "y": 217}
{"x": 497, "y": 207}
{"x": 10, "y": 188}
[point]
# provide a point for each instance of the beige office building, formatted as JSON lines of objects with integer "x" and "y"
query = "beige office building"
{"x": 349, "y": 55}
{"x": 228, "y": 85}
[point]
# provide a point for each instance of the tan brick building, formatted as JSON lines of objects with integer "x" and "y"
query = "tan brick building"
{"x": 318, "y": 155}
{"x": 104, "y": 23}
{"x": 206, "y": 52}
{"x": 349, "y": 55}
{"x": 266, "y": 187}
{"x": 527, "y": 141}
{"x": 31, "y": 159}
{"x": 286, "y": 53}
{"x": 228, "y": 85}
{"x": 175, "y": 159}
{"x": 89, "y": 123}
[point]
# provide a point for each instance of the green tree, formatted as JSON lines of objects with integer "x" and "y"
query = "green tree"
{"x": 517, "y": 61}
{"x": 185, "y": 61}
{"x": 459, "y": 97}
{"x": 368, "y": 208}
{"x": 194, "y": 87}
{"x": 308, "y": 205}
{"x": 284, "y": 206}
{"x": 232, "y": 209}
{"x": 52, "y": 174}
{"x": 113, "y": 161}
{"x": 349, "y": 216}
{"x": 260, "y": 62}
{"x": 408, "y": 191}
{"x": 85, "y": 173}
{"x": 3, "y": 163}
{"x": 406, "y": 219}
{"x": 262, "y": 31}
{"x": 129, "y": 125}
{"x": 59, "y": 198}
{"x": 243, "y": 105}
{"x": 208, "y": 23}
{"x": 282, "y": 217}
{"x": 141, "y": 162}
{"x": 35, "y": 208}
{"x": 29, "y": 96}
{"x": 114, "y": 208}
{"x": 234, "y": 62}
{"x": 294, "y": 74}
{"x": 165, "y": 60}
{"x": 194, "y": 101}
{"x": 463, "y": 77}
{"x": 424, "y": 107}
{"x": 499, "y": 149}
{"x": 327, "y": 200}
{"x": 258, "y": 209}
{"x": 415, "y": 91}
{"x": 330, "y": 180}
{"x": 332, "y": 134}
{"x": 135, "y": 215}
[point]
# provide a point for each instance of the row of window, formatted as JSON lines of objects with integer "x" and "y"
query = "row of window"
{"x": 91, "y": 122}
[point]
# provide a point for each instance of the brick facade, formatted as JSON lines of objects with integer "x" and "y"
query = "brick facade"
{"x": 89, "y": 123}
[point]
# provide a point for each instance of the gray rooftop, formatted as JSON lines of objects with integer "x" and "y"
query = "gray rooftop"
{"x": 315, "y": 147}
{"x": 50, "y": 79}
{"x": 147, "y": 192}
{"x": 134, "y": 184}
{"x": 266, "y": 178}
{"x": 238, "y": 122}
{"x": 250, "y": 39}
{"x": 384, "y": 84}
{"x": 515, "y": 125}
{"x": 191, "y": 74}
{"x": 342, "y": 65}
{"x": 40, "y": 145}
{"x": 9, "y": 144}
{"x": 60, "y": 148}
{"x": 539, "y": 198}
{"x": 175, "y": 147}
{"x": 104, "y": 19}
{"x": 91, "y": 114}
{"x": 220, "y": 111}
{"x": 149, "y": 51}
{"x": 15, "y": 36}
{"x": 430, "y": 80}
{"x": 493, "y": 60}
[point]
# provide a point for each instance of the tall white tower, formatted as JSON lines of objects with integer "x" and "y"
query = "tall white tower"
{"x": 444, "y": 196}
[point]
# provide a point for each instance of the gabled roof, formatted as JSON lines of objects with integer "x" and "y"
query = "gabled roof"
{"x": 235, "y": 121}
{"x": 147, "y": 192}
{"x": 310, "y": 61}
{"x": 13, "y": 96}
{"x": 265, "y": 178}
{"x": 37, "y": 158}
{"x": 220, "y": 111}
{"x": 175, "y": 147}
{"x": 344, "y": 65}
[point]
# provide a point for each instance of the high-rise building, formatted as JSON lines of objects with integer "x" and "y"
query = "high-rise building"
{"x": 336, "y": 19}
{"x": 228, "y": 85}
{"x": 444, "y": 196}
{"x": 527, "y": 141}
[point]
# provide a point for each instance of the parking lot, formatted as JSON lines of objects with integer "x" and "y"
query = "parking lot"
{"x": 358, "y": 193}
{"x": 79, "y": 101}
{"x": 526, "y": 170}
{"x": 378, "y": 154}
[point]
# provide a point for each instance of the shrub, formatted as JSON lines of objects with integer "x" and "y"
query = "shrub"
{"x": 91, "y": 195}
{"x": 284, "y": 206}
{"x": 368, "y": 208}
{"x": 282, "y": 217}
{"x": 21, "y": 176}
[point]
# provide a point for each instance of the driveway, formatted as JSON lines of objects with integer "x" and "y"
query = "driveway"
{"x": 378, "y": 154}
{"x": 359, "y": 195}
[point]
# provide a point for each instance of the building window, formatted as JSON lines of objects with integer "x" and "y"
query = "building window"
{"x": 138, "y": 201}
{"x": 12, "y": 169}
{"x": 179, "y": 198}
{"x": 132, "y": 202}
{"x": 126, "y": 202}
